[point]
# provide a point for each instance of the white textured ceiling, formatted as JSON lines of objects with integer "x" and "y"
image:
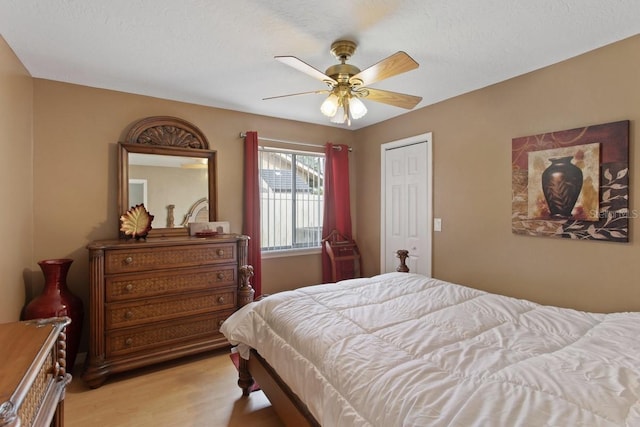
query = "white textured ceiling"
{"x": 220, "y": 52}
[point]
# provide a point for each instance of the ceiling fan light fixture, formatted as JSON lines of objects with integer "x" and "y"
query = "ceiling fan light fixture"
{"x": 330, "y": 105}
{"x": 340, "y": 117}
{"x": 357, "y": 109}
{"x": 342, "y": 107}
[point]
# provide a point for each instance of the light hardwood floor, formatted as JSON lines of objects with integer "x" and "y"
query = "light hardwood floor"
{"x": 196, "y": 391}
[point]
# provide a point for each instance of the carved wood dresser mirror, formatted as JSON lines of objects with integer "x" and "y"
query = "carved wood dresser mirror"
{"x": 167, "y": 295}
{"x": 165, "y": 163}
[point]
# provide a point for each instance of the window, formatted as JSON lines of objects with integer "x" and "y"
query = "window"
{"x": 292, "y": 199}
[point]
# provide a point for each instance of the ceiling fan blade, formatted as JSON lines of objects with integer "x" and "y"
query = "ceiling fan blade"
{"x": 395, "y": 64}
{"x": 300, "y": 93}
{"x": 393, "y": 98}
{"x": 299, "y": 65}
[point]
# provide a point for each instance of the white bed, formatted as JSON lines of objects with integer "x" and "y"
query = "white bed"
{"x": 401, "y": 349}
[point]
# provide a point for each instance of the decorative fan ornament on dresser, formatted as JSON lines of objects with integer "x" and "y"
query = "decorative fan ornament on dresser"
{"x": 347, "y": 84}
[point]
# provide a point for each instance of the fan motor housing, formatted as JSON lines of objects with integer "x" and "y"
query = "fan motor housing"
{"x": 342, "y": 72}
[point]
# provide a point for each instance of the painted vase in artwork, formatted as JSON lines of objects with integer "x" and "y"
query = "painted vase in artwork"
{"x": 561, "y": 185}
{"x": 57, "y": 301}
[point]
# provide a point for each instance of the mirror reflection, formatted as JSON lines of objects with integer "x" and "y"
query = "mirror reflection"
{"x": 169, "y": 186}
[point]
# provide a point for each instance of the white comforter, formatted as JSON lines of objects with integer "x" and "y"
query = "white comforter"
{"x": 405, "y": 350}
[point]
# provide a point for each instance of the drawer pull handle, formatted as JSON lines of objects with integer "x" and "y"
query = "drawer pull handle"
{"x": 128, "y": 341}
{"x": 129, "y": 287}
{"x": 128, "y": 260}
{"x": 221, "y": 300}
{"x": 128, "y": 315}
{"x": 220, "y": 276}
{"x": 220, "y": 252}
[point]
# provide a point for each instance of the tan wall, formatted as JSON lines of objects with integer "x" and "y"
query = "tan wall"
{"x": 16, "y": 183}
{"x": 286, "y": 273}
{"x": 472, "y": 182}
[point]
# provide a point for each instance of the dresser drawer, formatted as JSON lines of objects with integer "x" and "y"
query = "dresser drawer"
{"x": 166, "y": 334}
{"x": 143, "y": 285}
{"x": 128, "y": 260}
{"x": 132, "y": 313}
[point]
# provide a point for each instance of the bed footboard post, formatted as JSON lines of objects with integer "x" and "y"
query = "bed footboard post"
{"x": 245, "y": 380}
{"x": 402, "y": 254}
{"x": 245, "y": 291}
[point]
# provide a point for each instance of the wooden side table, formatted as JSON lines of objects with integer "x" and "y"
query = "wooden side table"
{"x": 33, "y": 375}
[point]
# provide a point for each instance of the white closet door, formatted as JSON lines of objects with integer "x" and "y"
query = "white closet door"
{"x": 406, "y": 203}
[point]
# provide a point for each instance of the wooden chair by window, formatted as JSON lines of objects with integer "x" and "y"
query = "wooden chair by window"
{"x": 344, "y": 255}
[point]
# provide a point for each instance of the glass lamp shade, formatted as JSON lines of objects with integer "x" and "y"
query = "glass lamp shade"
{"x": 330, "y": 105}
{"x": 340, "y": 116}
{"x": 357, "y": 108}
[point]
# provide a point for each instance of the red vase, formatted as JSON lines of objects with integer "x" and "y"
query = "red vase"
{"x": 56, "y": 301}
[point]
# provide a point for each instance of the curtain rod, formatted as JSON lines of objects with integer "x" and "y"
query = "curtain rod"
{"x": 283, "y": 141}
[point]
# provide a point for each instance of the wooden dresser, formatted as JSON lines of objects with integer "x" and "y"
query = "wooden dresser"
{"x": 33, "y": 377}
{"x": 160, "y": 299}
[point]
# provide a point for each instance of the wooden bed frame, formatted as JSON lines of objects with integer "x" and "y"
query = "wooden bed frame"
{"x": 291, "y": 410}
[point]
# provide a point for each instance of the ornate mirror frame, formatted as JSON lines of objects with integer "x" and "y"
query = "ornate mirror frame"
{"x": 167, "y": 136}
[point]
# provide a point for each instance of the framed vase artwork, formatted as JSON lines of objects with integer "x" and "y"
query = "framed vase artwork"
{"x": 573, "y": 183}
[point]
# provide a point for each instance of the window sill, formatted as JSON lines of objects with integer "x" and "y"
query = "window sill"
{"x": 290, "y": 252}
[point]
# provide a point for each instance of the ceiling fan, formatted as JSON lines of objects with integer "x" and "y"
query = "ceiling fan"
{"x": 347, "y": 84}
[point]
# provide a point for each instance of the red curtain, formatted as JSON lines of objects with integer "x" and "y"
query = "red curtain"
{"x": 251, "y": 212}
{"x": 337, "y": 204}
